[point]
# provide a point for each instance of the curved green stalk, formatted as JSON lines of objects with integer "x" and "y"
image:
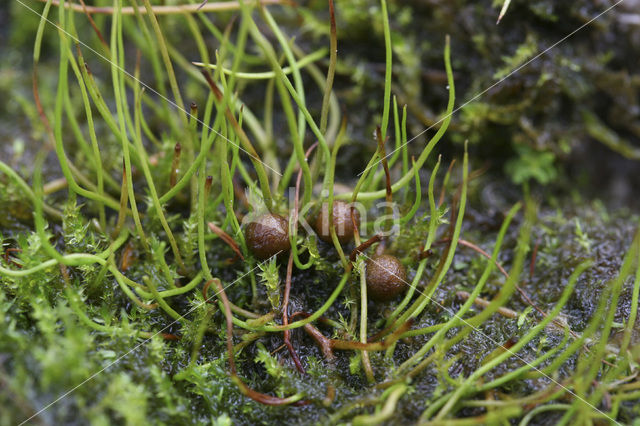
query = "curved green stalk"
{"x": 28, "y": 191}
{"x": 152, "y": 53}
{"x": 116, "y": 63}
{"x": 101, "y": 176}
{"x": 266, "y": 75}
{"x": 168, "y": 67}
{"x": 263, "y": 42}
{"x": 541, "y": 409}
{"x": 124, "y": 285}
{"x": 424, "y": 298}
{"x": 223, "y": 109}
{"x": 202, "y": 251}
{"x": 184, "y": 289}
{"x": 416, "y": 204}
{"x": 398, "y": 134}
{"x": 403, "y": 142}
{"x": 364, "y": 196}
{"x": 226, "y": 178}
{"x": 99, "y": 101}
{"x": 163, "y": 304}
{"x": 457, "y": 317}
{"x": 594, "y": 324}
{"x": 388, "y": 410}
{"x": 366, "y": 364}
{"x": 589, "y": 366}
{"x": 363, "y": 177}
{"x": 226, "y": 44}
{"x": 626, "y": 362}
{"x": 84, "y": 318}
{"x": 387, "y": 69}
{"x": 407, "y": 297}
{"x": 332, "y": 229}
{"x": 513, "y": 375}
{"x": 68, "y": 260}
{"x": 633, "y": 310}
{"x": 58, "y": 121}
{"x": 519, "y": 345}
{"x": 147, "y": 174}
{"x": 37, "y": 45}
{"x": 505, "y": 292}
{"x": 331, "y": 70}
{"x": 334, "y": 120}
{"x": 74, "y": 259}
{"x": 433, "y": 212}
{"x": 201, "y": 179}
{"x": 311, "y": 318}
{"x": 298, "y": 138}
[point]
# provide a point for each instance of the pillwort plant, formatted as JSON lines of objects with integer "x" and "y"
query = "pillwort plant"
{"x": 199, "y": 230}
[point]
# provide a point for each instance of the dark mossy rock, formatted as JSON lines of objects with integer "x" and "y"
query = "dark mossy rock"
{"x": 532, "y": 115}
{"x": 268, "y": 235}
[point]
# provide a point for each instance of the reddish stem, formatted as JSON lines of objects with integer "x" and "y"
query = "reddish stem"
{"x": 175, "y": 165}
{"x": 325, "y": 344}
{"x": 93, "y": 25}
{"x": 207, "y": 186}
{"x": 424, "y": 253}
{"x": 226, "y": 238}
{"x": 8, "y": 258}
{"x": 362, "y": 247}
{"x": 169, "y": 336}
{"x": 328, "y": 345}
{"x": 128, "y": 257}
{"x": 532, "y": 265}
{"x": 385, "y": 165}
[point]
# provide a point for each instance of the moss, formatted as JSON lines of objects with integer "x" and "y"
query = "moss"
{"x": 128, "y": 325}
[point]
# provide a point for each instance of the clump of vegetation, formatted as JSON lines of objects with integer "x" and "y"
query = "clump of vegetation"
{"x": 170, "y": 274}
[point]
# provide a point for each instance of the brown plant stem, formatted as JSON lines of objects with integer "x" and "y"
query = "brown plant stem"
{"x": 244, "y": 139}
{"x": 175, "y": 165}
{"x": 86, "y": 11}
{"x": 534, "y": 254}
{"x": 168, "y": 10}
{"x": 505, "y": 312}
{"x": 328, "y": 345}
{"x": 385, "y": 166}
{"x": 226, "y": 238}
{"x": 362, "y": 247}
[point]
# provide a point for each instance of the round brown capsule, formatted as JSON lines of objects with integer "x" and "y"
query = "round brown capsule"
{"x": 268, "y": 235}
{"x": 342, "y": 222}
{"x": 386, "y": 277}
